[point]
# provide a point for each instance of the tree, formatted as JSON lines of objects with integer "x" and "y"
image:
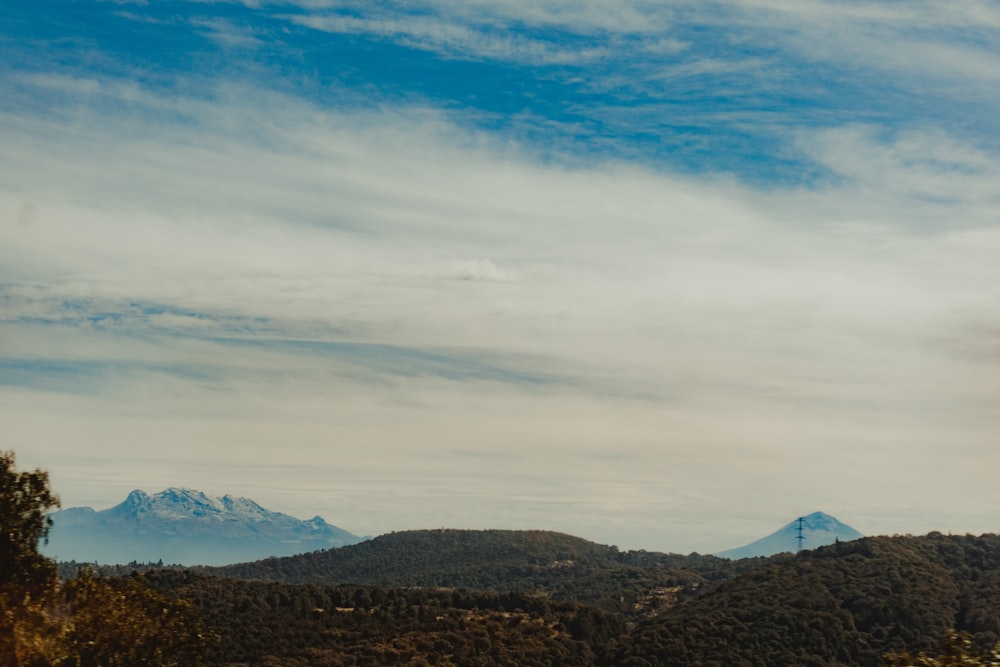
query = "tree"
{"x": 25, "y": 498}
{"x": 121, "y": 622}
{"x": 84, "y": 622}
{"x": 29, "y": 633}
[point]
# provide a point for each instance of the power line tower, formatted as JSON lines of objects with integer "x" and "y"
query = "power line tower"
{"x": 800, "y": 537}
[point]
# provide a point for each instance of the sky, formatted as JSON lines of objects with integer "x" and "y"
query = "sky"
{"x": 663, "y": 275}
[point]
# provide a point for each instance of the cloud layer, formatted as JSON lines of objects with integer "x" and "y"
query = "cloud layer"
{"x": 388, "y": 306}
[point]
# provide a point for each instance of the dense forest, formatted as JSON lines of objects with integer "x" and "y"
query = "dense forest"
{"x": 310, "y": 624}
{"x": 845, "y": 604}
{"x": 544, "y": 563}
{"x": 873, "y": 601}
{"x": 449, "y": 597}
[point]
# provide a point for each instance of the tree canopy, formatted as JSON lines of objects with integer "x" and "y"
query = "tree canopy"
{"x": 25, "y": 498}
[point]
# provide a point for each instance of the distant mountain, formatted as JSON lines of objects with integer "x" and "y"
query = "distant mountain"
{"x": 818, "y": 529}
{"x": 186, "y": 527}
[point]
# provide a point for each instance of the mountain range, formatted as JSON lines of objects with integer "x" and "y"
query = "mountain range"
{"x": 807, "y": 532}
{"x": 186, "y": 527}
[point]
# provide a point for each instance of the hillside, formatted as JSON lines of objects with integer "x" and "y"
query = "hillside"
{"x": 554, "y": 564}
{"x": 844, "y": 604}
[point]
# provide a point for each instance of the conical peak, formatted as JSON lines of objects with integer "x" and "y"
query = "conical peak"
{"x": 806, "y": 532}
{"x": 818, "y": 521}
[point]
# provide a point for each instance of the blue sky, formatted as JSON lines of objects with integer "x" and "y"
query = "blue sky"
{"x": 659, "y": 274}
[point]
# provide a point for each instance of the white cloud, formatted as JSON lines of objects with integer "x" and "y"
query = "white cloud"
{"x": 928, "y": 165}
{"x": 587, "y": 16}
{"x": 227, "y": 33}
{"x": 779, "y": 62}
{"x": 933, "y": 14}
{"x": 930, "y": 43}
{"x": 456, "y": 39}
{"x": 357, "y": 223}
{"x": 477, "y": 269}
{"x": 132, "y": 16}
{"x": 709, "y": 336}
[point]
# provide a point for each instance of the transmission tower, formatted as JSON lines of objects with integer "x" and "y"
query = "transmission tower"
{"x": 800, "y": 537}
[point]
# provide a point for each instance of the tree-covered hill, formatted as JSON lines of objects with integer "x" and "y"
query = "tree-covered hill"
{"x": 434, "y": 556}
{"x": 845, "y": 604}
{"x": 542, "y": 562}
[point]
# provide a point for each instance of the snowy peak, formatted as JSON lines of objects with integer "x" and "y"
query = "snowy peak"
{"x": 180, "y": 504}
{"x": 186, "y": 502}
{"x": 137, "y": 501}
{"x": 187, "y": 526}
{"x": 247, "y": 509}
{"x": 807, "y": 532}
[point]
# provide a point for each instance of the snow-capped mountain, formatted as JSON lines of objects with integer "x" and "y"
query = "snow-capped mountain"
{"x": 186, "y": 527}
{"x": 817, "y": 529}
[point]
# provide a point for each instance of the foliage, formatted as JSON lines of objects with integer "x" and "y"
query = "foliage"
{"x": 309, "y": 624}
{"x": 958, "y": 650}
{"x": 547, "y": 563}
{"x": 24, "y": 499}
{"x": 27, "y": 579}
{"x": 119, "y": 622}
{"x": 845, "y": 604}
{"x": 31, "y": 632}
{"x": 85, "y": 622}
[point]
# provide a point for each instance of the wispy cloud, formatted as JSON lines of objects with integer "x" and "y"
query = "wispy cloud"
{"x": 226, "y": 33}
{"x": 456, "y": 40}
{"x": 588, "y": 16}
{"x": 349, "y": 226}
{"x": 928, "y": 37}
{"x": 928, "y": 165}
{"x": 592, "y": 259}
{"x": 920, "y": 39}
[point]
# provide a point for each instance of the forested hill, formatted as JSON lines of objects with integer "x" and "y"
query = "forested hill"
{"x": 427, "y": 557}
{"x": 554, "y": 564}
{"x": 845, "y": 604}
